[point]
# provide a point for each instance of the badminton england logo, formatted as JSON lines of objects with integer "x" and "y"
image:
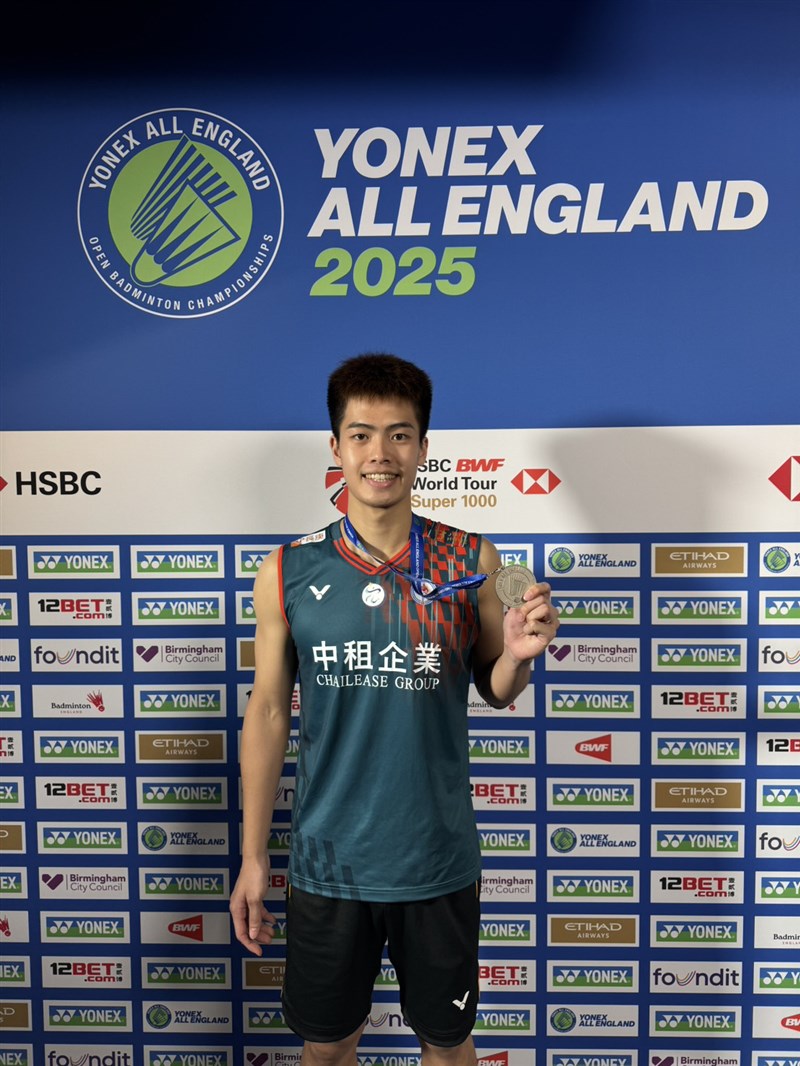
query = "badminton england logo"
{"x": 180, "y": 213}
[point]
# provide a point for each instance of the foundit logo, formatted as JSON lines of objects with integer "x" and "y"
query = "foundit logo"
{"x": 180, "y": 213}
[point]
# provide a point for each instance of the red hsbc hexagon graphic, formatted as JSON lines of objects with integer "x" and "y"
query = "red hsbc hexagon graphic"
{"x": 535, "y": 482}
{"x": 334, "y": 479}
{"x": 786, "y": 478}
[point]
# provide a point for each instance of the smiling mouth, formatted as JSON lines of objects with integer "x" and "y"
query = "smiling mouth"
{"x": 380, "y": 478}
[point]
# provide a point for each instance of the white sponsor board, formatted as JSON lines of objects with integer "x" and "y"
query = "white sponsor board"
{"x": 573, "y": 1019}
{"x": 593, "y": 701}
{"x": 779, "y": 655}
{"x": 77, "y": 655}
{"x": 82, "y": 608}
{"x": 522, "y": 707}
{"x": 692, "y": 978}
{"x": 778, "y": 886}
{"x": 683, "y": 461}
{"x": 696, "y": 931}
{"x": 777, "y": 841}
{"x": 179, "y": 1016}
{"x": 776, "y": 979}
{"x": 503, "y": 793}
{"x": 593, "y": 654}
{"x": 577, "y": 840}
{"x": 778, "y": 749}
{"x": 779, "y": 558}
{"x": 80, "y": 792}
{"x": 584, "y": 794}
{"x": 697, "y": 886}
{"x": 178, "y": 654}
{"x": 699, "y": 608}
{"x": 185, "y": 927}
{"x": 780, "y": 702}
{"x": 782, "y": 1023}
{"x": 86, "y": 971}
{"x": 700, "y": 702}
{"x": 675, "y": 748}
{"x": 77, "y": 701}
{"x": 580, "y": 747}
{"x": 508, "y": 886}
{"x": 82, "y": 882}
{"x": 183, "y": 838}
{"x": 777, "y": 934}
{"x": 696, "y": 1023}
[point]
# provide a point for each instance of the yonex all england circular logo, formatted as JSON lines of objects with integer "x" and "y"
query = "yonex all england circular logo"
{"x": 180, "y": 213}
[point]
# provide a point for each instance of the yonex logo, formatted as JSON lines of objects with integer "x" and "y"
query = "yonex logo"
{"x": 781, "y": 796}
{"x": 265, "y": 1019}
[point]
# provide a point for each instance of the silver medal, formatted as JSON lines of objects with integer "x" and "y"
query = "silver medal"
{"x": 512, "y": 583}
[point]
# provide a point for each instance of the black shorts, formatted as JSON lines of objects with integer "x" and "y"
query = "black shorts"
{"x": 334, "y": 952}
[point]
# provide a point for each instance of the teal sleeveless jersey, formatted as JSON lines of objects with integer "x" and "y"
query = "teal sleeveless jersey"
{"x": 382, "y": 808}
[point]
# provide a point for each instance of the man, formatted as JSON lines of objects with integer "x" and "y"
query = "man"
{"x": 386, "y": 615}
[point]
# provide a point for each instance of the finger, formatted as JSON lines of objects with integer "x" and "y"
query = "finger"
{"x": 257, "y": 917}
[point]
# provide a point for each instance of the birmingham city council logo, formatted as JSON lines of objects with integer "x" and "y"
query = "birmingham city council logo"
{"x": 180, "y": 213}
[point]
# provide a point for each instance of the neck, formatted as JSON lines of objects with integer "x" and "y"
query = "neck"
{"x": 384, "y": 532}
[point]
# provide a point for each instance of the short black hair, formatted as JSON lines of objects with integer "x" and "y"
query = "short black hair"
{"x": 379, "y": 376}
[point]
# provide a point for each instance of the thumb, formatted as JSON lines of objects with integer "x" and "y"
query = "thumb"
{"x": 255, "y": 912}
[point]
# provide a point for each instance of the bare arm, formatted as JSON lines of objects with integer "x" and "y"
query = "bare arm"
{"x": 266, "y": 730}
{"x": 509, "y": 641}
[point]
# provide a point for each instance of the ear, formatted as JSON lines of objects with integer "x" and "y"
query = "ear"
{"x": 334, "y": 445}
{"x": 423, "y": 451}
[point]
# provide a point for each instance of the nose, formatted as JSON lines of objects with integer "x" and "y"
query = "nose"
{"x": 380, "y": 449}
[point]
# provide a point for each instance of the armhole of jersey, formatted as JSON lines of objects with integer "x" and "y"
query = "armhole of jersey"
{"x": 280, "y": 584}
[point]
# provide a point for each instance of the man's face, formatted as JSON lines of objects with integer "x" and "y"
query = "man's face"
{"x": 379, "y": 450}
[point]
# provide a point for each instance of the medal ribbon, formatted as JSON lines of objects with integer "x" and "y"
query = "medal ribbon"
{"x": 423, "y": 591}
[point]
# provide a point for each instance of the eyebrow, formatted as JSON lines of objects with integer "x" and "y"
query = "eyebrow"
{"x": 368, "y": 425}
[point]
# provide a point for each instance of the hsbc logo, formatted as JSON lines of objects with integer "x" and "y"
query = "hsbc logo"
{"x": 55, "y": 482}
{"x": 537, "y": 481}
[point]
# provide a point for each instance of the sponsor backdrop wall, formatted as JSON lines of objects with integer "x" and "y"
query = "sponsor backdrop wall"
{"x": 582, "y": 219}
